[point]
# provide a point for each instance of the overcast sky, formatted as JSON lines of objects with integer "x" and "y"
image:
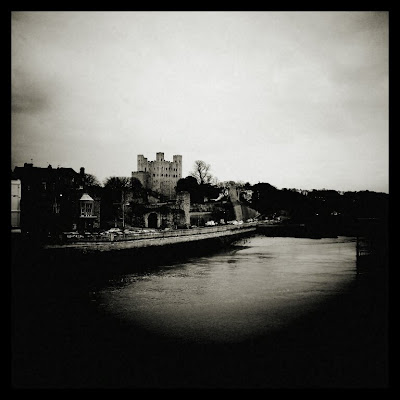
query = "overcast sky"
{"x": 294, "y": 99}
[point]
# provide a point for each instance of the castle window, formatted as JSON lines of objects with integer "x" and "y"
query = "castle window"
{"x": 154, "y": 174}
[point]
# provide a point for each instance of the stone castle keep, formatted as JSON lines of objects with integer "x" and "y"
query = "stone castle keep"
{"x": 160, "y": 176}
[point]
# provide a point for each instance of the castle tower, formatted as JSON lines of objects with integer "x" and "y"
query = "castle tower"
{"x": 142, "y": 163}
{"x": 160, "y": 176}
{"x": 177, "y": 160}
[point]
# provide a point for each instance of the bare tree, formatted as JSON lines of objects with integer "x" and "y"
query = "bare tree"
{"x": 201, "y": 171}
{"x": 91, "y": 181}
{"x": 117, "y": 183}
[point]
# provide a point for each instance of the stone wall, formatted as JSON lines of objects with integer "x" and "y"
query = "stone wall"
{"x": 183, "y": 201}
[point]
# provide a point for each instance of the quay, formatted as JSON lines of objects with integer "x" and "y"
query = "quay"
{"x": 133, "y": 252}
{"x": 157, "y": 247}
{"x": 148, "y": 244}
{"x": 153, "y": 239}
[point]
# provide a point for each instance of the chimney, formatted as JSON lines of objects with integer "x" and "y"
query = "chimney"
{"x": 82, "y": 176}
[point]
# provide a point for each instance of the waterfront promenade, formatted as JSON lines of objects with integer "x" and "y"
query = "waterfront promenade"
{"x": 151, "y": 239}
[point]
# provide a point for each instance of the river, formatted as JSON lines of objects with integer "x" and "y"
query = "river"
{"x": 262, "y": 313}
{"x": 261, "y": 284}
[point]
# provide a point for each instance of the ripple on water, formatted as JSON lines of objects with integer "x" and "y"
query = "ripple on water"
{"x": 231, "y": 296}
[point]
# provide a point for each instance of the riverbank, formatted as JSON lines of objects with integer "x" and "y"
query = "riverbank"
{"x": 88, "y": 262}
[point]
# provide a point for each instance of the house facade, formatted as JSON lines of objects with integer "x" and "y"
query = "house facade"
{"x": 50, "y": 200}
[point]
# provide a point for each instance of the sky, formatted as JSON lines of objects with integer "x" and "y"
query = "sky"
{"x": 293, "y": 99}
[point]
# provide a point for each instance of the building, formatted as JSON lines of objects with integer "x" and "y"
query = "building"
{"x": 172, "y": 215}
{"x": 15, "y": 205}
{"x": 89, "y": 217}
{"x": 160, "y": 176}
{"x": 51, "y": 200}
{"x": 226, "y": 207}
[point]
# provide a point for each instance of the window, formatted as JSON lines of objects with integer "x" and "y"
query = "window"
{"x": 56, "y": 208}
{"x": 86, "y": 209}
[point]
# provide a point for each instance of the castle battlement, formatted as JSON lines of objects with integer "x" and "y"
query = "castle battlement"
{"x": 159, "y": 175}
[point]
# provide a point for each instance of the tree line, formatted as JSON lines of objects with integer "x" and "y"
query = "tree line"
{"x": 126, "y": 194}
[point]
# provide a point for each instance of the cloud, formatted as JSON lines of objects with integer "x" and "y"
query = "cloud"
{"x": 28, "y": 97}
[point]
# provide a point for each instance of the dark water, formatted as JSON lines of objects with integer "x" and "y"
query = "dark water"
{"x": 267, "y": 312}
{"x": 262, "y": 284}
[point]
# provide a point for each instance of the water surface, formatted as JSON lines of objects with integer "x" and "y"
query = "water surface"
{"x": 260, "y": 285}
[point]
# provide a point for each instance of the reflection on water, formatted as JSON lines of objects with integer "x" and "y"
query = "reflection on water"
{"x": 257, "y": 286}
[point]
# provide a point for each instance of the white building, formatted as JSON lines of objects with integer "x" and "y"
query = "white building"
{"x": 16, "y": 205}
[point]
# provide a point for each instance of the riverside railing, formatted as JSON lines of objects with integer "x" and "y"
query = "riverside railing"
{"x": 112, "y": 237}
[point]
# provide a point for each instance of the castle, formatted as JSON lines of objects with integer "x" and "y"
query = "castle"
{"x": 159, "y": 176}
